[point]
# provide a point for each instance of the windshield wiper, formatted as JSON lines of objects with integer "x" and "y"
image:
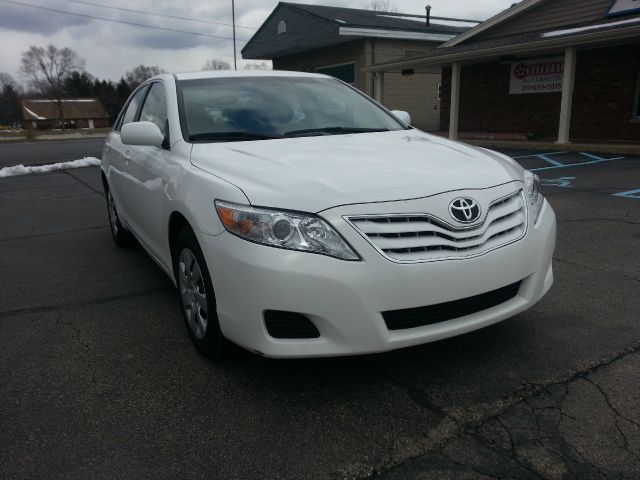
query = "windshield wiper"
{"x": 231, "y": 136}
{"x": 332, "y": 131}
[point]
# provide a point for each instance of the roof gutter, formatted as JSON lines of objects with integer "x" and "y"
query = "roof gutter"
{"x": 530, "y": 47}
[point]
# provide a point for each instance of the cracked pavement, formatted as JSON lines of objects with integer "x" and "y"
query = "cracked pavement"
{"x": 98, "y": 377}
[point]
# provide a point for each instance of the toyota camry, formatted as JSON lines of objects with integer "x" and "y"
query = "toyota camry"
{"x": 298, "y": 218}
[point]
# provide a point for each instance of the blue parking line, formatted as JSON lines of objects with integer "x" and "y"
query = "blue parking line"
{"x": 629, "y": 194}
{"x": 593, "y": 162}
{"x": 595, "y": 157}
{"x": 549, "y": 160}
{"x": 536, "y": 154}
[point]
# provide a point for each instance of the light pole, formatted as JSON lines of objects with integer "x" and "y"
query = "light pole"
{"x": 233, "y": 16}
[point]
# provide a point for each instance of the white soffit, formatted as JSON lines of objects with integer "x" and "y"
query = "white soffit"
{"x": 401, "y": 35}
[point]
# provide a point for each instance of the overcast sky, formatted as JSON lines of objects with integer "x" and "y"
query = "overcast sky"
{"x": 110, "y": 49}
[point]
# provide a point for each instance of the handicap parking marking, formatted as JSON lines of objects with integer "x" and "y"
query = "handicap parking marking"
{"x": 630, "y": 194}
{"x": 564, "y": 182}
{"x": 546, "y": 157}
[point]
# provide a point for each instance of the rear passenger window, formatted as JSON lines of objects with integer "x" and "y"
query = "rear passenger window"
{"x": 132, "y": 108}
{"x": 155, "y": 107}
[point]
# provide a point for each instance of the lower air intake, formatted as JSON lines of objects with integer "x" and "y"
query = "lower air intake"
{"x": 441, "y": 312}
{"x": 289, "y": 325}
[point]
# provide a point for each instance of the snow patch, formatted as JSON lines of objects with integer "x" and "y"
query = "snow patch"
{"x": 569, "y": 31}
{"x": 52, "y": 167}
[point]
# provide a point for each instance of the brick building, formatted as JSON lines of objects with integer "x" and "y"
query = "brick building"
{"x": 342, "y": 42}
{"x": 563, "y": 70}
{"x": 43, "y": 114}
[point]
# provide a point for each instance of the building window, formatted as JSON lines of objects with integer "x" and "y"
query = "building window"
{"x": 345, "y": 72}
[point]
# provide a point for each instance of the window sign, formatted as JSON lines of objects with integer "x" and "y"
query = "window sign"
{"x": 542, "y": 75}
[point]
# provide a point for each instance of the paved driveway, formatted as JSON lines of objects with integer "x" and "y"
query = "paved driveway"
{"x": 98, "y": 377}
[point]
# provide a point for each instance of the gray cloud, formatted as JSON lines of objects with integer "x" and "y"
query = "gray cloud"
{"x": 25, "y": 19}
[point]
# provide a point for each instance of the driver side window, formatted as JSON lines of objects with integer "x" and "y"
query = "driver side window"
{"x": 155, "y": 107}
{"x": 133, "y": 107}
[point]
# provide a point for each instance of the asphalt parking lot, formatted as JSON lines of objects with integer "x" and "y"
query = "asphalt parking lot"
{"x": 98, "y": 377}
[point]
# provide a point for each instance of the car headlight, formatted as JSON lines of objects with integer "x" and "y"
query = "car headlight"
{"x": 533, "y": 189}
{"x": 291, "y": 230}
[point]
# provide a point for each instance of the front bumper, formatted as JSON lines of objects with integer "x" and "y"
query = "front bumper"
{"x": 345, "y": 299}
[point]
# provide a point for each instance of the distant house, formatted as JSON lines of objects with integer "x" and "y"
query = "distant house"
{"x": 41, "y": 114}
{"x": 343, "y": 41}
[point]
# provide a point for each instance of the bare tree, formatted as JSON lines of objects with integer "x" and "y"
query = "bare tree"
{"x": 382, "y": 6}
{"x": 257, "y": 66}
{"x": 141, "y": 73}
{"x": 216, "y": 64}
{"x": 46, "y": 70}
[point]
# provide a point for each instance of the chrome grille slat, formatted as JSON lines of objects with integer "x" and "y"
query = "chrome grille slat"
{"x": 370, "y": 226}
{"x": 421, "y": 237}
{"x": 417, "y": 241}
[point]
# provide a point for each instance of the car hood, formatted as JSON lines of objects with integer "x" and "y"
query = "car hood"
{"x": 316, "y": 173}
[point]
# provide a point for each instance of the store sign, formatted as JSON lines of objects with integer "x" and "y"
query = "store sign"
{"x": 537, "y": 76}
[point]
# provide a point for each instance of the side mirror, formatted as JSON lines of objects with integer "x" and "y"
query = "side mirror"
{"x": 402, "y": 116}
{"x": 141, "y": 133}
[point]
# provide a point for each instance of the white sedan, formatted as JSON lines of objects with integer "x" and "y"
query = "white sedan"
{"x": 299, "y": 218}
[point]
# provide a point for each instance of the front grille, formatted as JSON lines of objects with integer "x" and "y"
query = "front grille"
{"x": 289, "y": 325}
{"x": 421, "y": 237}
{"x": 441, "y": 312}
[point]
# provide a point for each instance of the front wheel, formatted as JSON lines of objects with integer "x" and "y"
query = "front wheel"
{"x": 197, "y": 298}
{"x": 121, "y": 236}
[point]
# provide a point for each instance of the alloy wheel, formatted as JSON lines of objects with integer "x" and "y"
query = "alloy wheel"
{"x": 192, "y": 293}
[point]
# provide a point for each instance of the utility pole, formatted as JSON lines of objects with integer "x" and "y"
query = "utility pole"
{"x": 233, "y": 16}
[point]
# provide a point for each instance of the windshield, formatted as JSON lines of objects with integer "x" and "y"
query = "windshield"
{"x": 254, "y": 108}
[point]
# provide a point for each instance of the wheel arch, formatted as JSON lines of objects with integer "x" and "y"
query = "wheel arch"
{"x": 105, "y": 183}
{"x": 177, "y": 222}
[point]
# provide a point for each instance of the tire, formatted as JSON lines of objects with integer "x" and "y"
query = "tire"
{"x": 197, "y": 298}
{"x": 121, "y": 236}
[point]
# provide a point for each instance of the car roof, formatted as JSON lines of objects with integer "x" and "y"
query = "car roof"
{"x": 244, "y": 73}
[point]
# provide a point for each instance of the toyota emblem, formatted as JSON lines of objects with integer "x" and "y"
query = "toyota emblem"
{"x": 464, "y": 210}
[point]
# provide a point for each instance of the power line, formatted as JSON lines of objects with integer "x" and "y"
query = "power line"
{"x": 176, "y": 17}
{"x": 124, "y": 22}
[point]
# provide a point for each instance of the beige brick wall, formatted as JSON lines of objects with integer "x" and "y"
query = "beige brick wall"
{"x": 416, "y": 94}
